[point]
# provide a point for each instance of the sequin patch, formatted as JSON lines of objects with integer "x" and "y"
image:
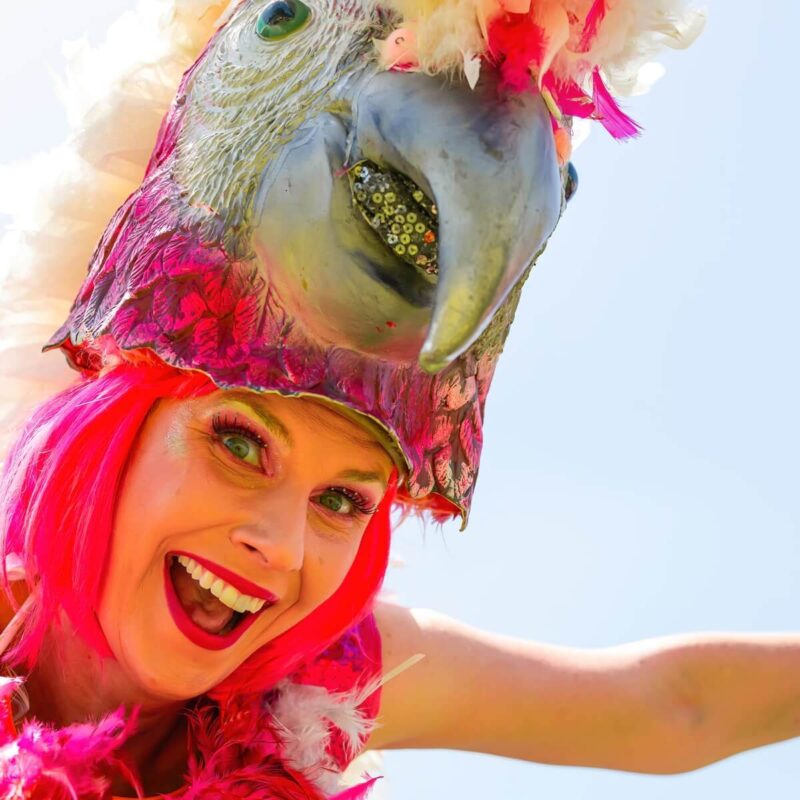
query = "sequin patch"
{"x": 401, "y": 214}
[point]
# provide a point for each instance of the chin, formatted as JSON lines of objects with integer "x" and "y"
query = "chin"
{"x": 170, "y": 678}
{"x": 161, "y": 663}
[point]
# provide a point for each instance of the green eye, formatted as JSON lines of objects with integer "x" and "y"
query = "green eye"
{"x": 242, "y": 448}
{"x": 335, "y": 502}
{"x": 282, "y": 17}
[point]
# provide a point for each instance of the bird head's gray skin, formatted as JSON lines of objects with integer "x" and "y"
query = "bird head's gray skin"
{"x": 488, "y": 164}
{"x": 312, "y": 224}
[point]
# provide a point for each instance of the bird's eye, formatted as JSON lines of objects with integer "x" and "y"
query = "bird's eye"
{"x": 282, "y": 17}
{"x": 571, "y": 183}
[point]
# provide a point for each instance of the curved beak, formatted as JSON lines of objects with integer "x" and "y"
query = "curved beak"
{"x": 489, "y": 163}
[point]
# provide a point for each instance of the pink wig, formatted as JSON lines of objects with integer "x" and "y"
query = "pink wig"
{"x": 58, "y": 497}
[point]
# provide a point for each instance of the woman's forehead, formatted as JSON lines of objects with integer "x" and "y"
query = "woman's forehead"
{"x": 281, "y": 414}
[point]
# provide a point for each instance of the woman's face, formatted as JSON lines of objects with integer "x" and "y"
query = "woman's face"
{"x": 239, "y": 515}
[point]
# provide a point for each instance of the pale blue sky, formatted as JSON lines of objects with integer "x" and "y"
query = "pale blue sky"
{"x": 641, "y": 461}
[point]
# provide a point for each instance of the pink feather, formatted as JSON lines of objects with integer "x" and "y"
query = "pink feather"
{"x": 67, "y": 763}
{"x": 569, "y": 97}
{"x": 609, "y": 114}
{"x": 591, "y": 25}
{"x": 234, "y": 754}
{"x": 358, "y": 792}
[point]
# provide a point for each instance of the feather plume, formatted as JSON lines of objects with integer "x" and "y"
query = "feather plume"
{"x": 305, "y": 716}
{"x": 61, "y": 201}
{"x": 610, "y": 115}
{"x": 563, "y": 42}
{"x": 591, "y": 25}
{"x": 358, "y": 792}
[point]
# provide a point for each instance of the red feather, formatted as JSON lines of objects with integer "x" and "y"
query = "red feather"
{"x": 516, "y": 42}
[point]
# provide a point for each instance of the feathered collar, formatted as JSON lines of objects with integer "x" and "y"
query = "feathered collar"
{"x": 293, "y": 743}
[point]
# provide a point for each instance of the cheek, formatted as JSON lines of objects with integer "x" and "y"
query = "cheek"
{"x": 325, "y": 567}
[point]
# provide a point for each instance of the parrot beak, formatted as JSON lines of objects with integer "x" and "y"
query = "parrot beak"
{"x": 489, "y": 163}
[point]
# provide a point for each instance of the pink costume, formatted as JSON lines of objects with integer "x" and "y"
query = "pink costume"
{"x": 333, "y": 696}
{"x": 324, "y": 215}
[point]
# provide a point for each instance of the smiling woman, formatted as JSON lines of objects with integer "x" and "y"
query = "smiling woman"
{"x": 265, "y": 538}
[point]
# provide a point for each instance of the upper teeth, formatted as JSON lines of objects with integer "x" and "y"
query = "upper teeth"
{"x": 224, "y": 592}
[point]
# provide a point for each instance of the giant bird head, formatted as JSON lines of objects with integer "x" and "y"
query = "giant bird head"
{"x": 312, "y": 223}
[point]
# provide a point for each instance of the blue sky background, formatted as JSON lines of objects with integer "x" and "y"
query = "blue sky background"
{"x": 641, "y": 461}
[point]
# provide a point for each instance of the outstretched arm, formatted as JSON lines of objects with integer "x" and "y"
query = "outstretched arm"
{"x": 663, "y": 705}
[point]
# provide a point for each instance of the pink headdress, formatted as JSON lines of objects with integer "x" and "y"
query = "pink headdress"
{"x": 312, "y": 225}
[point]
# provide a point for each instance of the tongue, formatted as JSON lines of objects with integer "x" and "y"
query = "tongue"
{"x": 205, "y": 610}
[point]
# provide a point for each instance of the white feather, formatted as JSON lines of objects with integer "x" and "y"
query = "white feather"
{"x": 632, "y": 32}
{"x": 304, "y": 715}
{"x": 61, "y": 201}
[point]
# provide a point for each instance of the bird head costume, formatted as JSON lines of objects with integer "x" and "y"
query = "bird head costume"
{"x": 345, "y": 198}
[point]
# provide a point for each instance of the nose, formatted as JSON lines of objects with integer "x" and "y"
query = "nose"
{"x": 274, "y": 532}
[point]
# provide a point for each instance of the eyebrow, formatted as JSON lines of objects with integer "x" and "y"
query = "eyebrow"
{"x": 277, "y": 428}
{"x": 361, "y": 476}
{"x": 272, "y": 424}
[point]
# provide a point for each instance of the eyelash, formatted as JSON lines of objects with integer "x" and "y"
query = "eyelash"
{"x": 362, "y": 505}
{"x": 223, "y": 424}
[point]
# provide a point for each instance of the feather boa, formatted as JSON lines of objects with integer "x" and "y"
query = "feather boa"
{"x": 41, "y": 763}
{"x": 280, "y": 749}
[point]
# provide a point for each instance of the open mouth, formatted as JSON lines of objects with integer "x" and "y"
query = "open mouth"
{"x": 209, "y": 604}
{"x": 400, "y": 213}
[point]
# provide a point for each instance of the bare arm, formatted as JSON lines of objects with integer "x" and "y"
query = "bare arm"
{"x": 660, "y": 706}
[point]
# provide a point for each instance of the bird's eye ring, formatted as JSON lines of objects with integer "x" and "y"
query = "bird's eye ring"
{"x": 571, "y": 182}
{"x": 281, "y": 18}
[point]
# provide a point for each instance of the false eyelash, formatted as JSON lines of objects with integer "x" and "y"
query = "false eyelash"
{"x": 222, "y": 423}
{"x": 358, "y": 500}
